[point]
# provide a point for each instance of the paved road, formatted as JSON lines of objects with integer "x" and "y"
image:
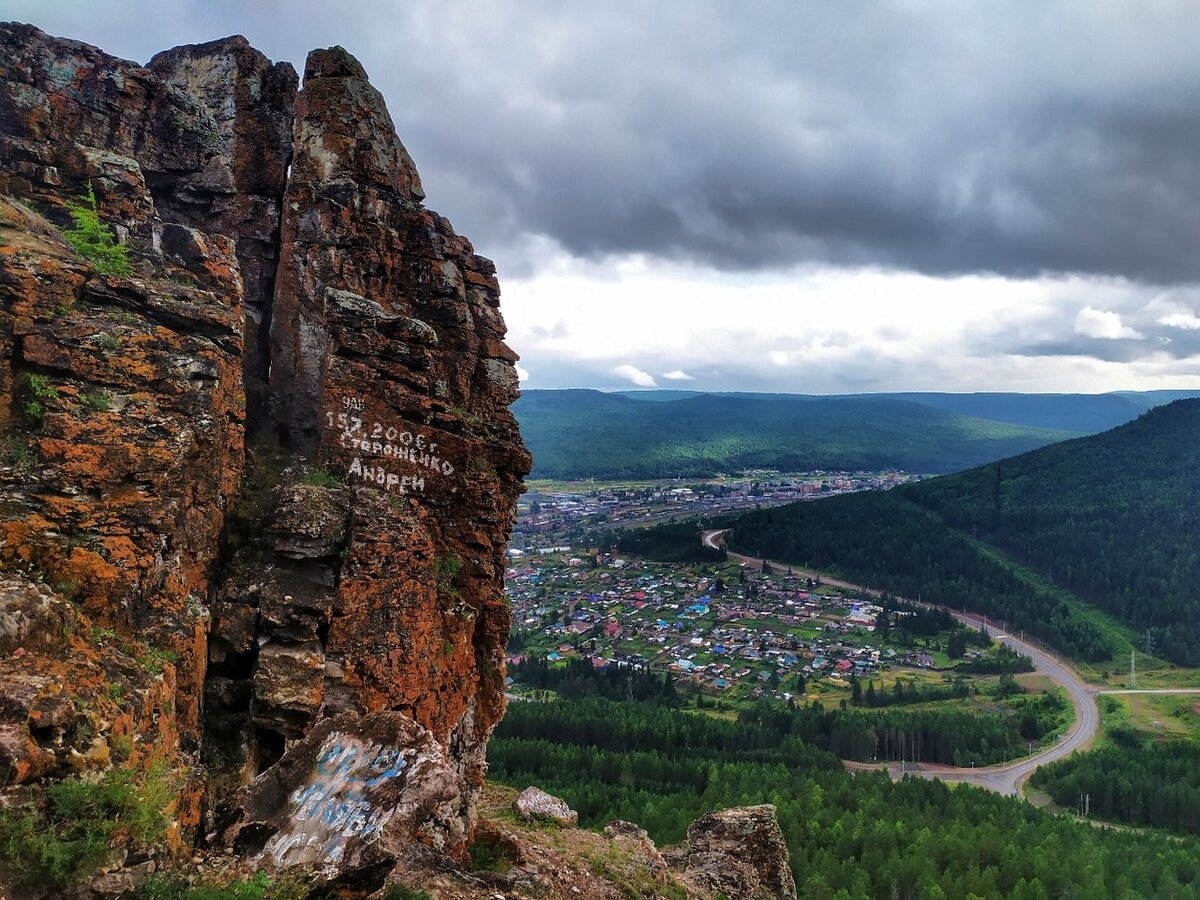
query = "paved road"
{"x": 1151, "y": 691}
{"x": 1007, "y": 777}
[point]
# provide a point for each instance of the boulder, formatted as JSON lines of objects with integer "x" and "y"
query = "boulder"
{"x": 534, "y": 803}
{"x": 349, "y": 799}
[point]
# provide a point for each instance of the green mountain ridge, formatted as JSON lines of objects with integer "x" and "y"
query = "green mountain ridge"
{"x": 1112, "y": 520}
{"x": 670, "y": 433}
{"x": 583, "y": 433}
{"x": 1079, "y": 413}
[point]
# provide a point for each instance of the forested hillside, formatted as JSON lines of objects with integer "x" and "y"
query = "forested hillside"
{"x": 1113, "y": 519}
{"x": 1079, "y": 413}
{"x": 1138, "y": 781}
{"x": 580, "y": 434}
{"x": 850, "y": 837}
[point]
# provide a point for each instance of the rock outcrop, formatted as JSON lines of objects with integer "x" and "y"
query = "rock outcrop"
{"x": 239, "y": 191}
{"x": 101, "y": 702}
{"x": 542, "y": 859}
{"x": 740, "y": 853}
{"x": 349, "y": 798}
{"x": 273, "y": 456}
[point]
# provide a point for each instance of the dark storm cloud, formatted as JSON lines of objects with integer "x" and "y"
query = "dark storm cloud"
{"x": 942, "y": 137}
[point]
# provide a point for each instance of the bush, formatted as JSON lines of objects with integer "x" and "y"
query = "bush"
{"x": 490, "y": 855}
{"x": 258, "y": 887}
{"x": 40, "y": 390}
{"x": 92, "y": 239}
{"x": 72, "y": 828}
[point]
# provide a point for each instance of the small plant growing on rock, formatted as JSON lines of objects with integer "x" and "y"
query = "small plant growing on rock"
{"x": 93, "y": 240}
{"x": 108, "y": 342}
{"x": 98, "y": 401}
{"x": 121, "y": 746}
{"x": 155, "y": 659}
{"x": 15, "y": 453}
{"x": 321, "y": 478}
{"x": 446, "y": 569}
{"x": 40, "y": 390}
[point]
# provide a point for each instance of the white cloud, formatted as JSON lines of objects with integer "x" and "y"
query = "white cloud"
{"x": 1187, "y": 320}
{"x": 522, "y": 373}
{"x": 677, "y": 375}
{"x": 636, "y": 375}
{"x": 1104, "y": 325}
{"x": 824, "y": 330}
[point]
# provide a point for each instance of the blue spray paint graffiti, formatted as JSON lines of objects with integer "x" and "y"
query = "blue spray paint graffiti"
{"x": 334, "y": 805}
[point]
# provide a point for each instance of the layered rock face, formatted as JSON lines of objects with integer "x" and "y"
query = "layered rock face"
{"x": 121, "y": 396}
{"x": 239, "y": 191}
{"x": 322, "y": 324}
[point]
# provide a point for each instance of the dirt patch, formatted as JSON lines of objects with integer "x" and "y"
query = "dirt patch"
{"x": 1034, "y": 681}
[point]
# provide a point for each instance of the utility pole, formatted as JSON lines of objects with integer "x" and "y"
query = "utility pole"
{"x": 1132, "y": 670}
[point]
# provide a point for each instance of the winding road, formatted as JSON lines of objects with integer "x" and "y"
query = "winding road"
{"x": 1005, "y": 778}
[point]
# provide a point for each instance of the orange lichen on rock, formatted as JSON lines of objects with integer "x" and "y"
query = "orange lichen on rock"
{"x": 77, "y": 696}
{"x": 114, "y": 481}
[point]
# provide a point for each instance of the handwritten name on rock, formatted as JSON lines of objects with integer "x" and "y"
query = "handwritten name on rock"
{"x": 378, "y": 439}
{"x": 335, "y": 804}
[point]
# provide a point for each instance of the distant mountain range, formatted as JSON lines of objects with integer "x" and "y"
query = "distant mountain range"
{"x": 658, "y": 434}
{"x": 1112, "y": 520}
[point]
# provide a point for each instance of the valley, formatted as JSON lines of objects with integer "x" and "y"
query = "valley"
{"x": 727, "y": 631}
{"x": 581, "y": 434}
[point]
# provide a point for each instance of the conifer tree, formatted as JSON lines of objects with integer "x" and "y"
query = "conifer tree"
{"x": 93, "y": 240}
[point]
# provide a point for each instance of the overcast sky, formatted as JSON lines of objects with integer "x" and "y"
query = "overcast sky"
{"x": 812, "y": 197}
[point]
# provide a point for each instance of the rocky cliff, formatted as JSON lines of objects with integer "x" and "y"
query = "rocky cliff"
{"x": 263, "y": 476}
{"x": 257, "y": 472}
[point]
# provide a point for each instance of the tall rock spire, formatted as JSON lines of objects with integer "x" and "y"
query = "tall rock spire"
{"x": 321, "y": 317}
